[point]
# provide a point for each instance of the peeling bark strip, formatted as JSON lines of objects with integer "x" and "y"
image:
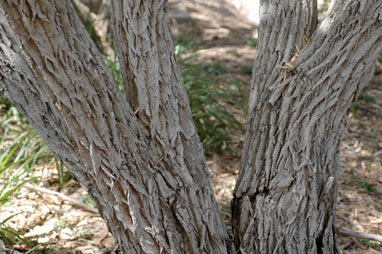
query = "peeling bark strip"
{"x": 146, "y": 171}
{"x": 284, "y": 200}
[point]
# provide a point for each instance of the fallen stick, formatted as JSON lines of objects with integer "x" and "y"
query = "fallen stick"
{"x": 361, "y": 235}
{"x": 62, "y": 197}
{"x": 340, "y": 216}
{"x": 345, "y": 232}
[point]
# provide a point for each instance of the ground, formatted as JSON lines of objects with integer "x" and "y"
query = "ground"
{"x": 59, "y": 227}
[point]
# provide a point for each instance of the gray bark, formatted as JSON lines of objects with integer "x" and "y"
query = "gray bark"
{"x": 284, "y": 199}
{"x": 144, "y": 167}
{"x": 140, "y": 157}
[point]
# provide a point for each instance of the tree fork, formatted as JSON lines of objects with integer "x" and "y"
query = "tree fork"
{"x": 146, "y": 171}
{"x": 140, "y": 157}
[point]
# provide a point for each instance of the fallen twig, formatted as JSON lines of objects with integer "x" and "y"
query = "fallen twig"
{"x": 361, "y": 235}
{"x": 340, "y": 216}
{"x": 61, "y": 196}
{"x": 345, "y": 244}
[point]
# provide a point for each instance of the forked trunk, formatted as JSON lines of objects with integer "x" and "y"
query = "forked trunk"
{"x": 140, "y": 158}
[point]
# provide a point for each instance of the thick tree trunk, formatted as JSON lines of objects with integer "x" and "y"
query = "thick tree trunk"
{"x": 284, "y": 200}
{"x": 140, "y": 158}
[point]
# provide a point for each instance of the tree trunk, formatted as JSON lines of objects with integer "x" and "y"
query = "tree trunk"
{"x": 140, "y": 158}
{"x": 302, "y": 90}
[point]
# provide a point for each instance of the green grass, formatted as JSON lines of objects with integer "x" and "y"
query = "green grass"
{"x": 366, "y": 186}
{"x": 210, "y": 97}
{"x": 21, "y": 151}
{"x": 251, "y": 42}
{"x": 246, "y": 69}
{"x": 213, "y": 121}
{"x": 113, "y": 64}
{"x": 362, "y": 100}
{"x": 366, "y": 98}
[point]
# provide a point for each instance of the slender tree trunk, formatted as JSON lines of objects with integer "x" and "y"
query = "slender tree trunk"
{"x": 284, "y": 200}
{"x": 140, "y": 158}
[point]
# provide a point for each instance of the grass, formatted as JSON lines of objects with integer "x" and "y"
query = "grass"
{"x": 366, "y": 186}
{"x": 251, "y": 42}
{"x": 362, "y": 100}
{"x": 366, "y": 98}
{"x": 210, "y": 98}
{"x": 246, "y": 69}
{"x": 209, "y": 103}
{"x": 21, "y": 151}
{"x": 113, "y": 64}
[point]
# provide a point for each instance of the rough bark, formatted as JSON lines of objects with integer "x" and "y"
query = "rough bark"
{"x": 284, "y": 200}
{"x": 141, "y": 159}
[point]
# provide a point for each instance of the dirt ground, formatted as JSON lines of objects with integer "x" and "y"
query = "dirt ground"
{"x": 60, "y": 227}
